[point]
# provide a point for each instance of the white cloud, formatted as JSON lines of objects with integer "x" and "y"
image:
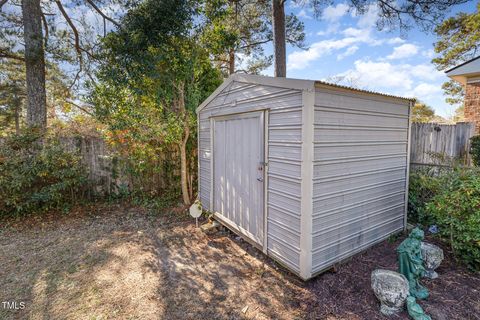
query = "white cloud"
{"x": 427, "y": 71}
{"x": 351, "y": 50}
{"x": 425, "y": 90}
{"x": 395, "y": 40}
{"x": 335, "y": 13}
{"x": 300, "y": 59}
{"x": 404, "y": 51}
{"x": 381, "y": 74}
{"x": 331, "y": 29}
{"x": 369, "y": 18}
{"x": 430, "y": 53}
{"x": 353, "y": 32}
{"x": 402, "y": 79}
{"x": 303, "y": 14}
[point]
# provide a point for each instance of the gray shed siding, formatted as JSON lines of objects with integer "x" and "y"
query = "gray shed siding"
{"x": 284, "y": 145}
{"x": 359, "y": 172}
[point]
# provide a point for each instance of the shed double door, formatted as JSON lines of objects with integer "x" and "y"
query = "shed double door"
{"x": 238, "y": 174}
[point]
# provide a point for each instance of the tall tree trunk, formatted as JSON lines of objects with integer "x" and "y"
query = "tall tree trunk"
{"x": 183, "y": 144}
{"x": 34, "y": 63}
{"x": 278, "y": 18}
{"x": 231, "y": 61}
{"x": 183, "y": 165}
{"x": 231, "y": 53}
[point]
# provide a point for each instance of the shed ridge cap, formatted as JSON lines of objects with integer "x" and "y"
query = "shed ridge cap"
{"x": 339, "y": 86}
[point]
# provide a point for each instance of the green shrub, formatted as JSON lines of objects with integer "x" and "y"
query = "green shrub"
{"x": 38, "y": 174}
{"x": 475, "y": 150}
{"x": 424, "y": 184}
{"x": 449, "y": 199}
{"x": 455, "y": 209}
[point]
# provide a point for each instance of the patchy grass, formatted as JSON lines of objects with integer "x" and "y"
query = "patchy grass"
{"x": 116, "y": 262}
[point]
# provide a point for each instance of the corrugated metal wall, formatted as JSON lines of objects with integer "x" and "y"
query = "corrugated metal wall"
{"x": 360, "y": 159}
{"x": 284, "y": 159}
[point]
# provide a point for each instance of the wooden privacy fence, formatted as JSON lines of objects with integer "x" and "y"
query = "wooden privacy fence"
{"x": 438, "y": 144}
{"x": 109, "y": 174}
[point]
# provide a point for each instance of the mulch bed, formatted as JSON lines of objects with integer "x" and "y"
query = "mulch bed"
{"x": 345, "y": 291}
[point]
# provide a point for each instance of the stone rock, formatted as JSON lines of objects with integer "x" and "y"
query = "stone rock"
{"x": 432, "y": 256}
{"x": 391, "y": 288}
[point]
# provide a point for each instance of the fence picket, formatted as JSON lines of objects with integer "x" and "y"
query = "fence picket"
{"x": 429, "y": 139}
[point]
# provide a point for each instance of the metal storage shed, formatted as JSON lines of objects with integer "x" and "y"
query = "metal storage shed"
{"x": 311, "y": 173}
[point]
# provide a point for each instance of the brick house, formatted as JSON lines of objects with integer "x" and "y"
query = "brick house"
{"x": 468, "y": 74}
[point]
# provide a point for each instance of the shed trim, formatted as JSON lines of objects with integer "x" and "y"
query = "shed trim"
{"x": 226, "y": 114}
{"x": 407, "y": 169}
{"x": 265, "y": 180}
{"x": 296, "y": 84}
{"x": 212, "y": 135}
{"x": 306, "y": 206}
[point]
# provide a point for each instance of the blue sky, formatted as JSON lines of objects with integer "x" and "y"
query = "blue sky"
{"x": 347, "y": 48}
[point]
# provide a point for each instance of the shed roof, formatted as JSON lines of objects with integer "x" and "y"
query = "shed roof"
{"x": 298, "y": 84}
{"x": 466, "y": 70}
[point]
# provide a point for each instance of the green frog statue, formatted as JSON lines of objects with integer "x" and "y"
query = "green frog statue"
{"x": 410, "y": 263}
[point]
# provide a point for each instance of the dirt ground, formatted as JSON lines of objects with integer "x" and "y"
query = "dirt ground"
{"x": 115, "y": 262}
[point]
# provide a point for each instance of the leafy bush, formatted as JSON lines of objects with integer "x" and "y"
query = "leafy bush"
{"x": 450, "y": 200}
{"x": 456, "y": 210}
{"x": 38, "y": 174}
{"x": 475, "y": 150}
{"x": 424, "y": 184}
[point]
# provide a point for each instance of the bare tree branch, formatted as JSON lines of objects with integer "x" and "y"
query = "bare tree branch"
{"x": 10, "y": 55}
{"x": 77, "y": 76}
{"x": 252, "y": 44}
{"x": 74, "y": 29}
{"x": 80, "y": 107}
{"x": 104, "y": 16}
{"x": 89, "y": 54}
{"x": 78, "y": 48}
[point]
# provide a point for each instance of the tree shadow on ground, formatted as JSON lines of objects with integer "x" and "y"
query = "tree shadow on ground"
{"x": 126, "y": 264}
